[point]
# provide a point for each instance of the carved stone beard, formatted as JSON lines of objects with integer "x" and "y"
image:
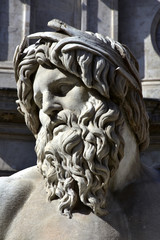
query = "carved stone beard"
{"x": 81, "y": 155}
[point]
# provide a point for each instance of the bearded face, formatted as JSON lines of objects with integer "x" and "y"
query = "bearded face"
{"x": 79, "y": 144}
{"x": 77, "y": 155}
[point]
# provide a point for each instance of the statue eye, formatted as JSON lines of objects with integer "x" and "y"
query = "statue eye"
{"x": 63, "y": 89}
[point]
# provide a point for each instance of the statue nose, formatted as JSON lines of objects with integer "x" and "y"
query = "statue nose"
{"x": 50, "y": 104}
{"x": 49, "y": 108}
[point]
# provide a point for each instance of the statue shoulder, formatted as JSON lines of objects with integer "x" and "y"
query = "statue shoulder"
{"x": 25, "y": 174}
{"x": 17, "y": 187}
{"x": 14, "y": 192}
{"x": 12, "y": 185}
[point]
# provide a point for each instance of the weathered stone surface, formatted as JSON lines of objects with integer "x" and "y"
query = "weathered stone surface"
{"x": 81, "y": 97}
{"x": 135, "y": 21}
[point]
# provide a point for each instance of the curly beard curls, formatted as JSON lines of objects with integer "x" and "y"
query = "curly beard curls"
{"x": 79, "y": 157}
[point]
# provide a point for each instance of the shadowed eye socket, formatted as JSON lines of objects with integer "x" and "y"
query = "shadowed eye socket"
{"x": 62, "y": 89}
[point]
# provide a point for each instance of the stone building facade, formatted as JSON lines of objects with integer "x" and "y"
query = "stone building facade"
{"x": 131, "y": 22}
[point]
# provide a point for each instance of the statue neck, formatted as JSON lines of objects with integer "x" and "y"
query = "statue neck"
{"x": 130, "y": 166}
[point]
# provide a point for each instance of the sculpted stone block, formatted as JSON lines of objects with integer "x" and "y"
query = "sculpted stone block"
{"x": 81, "y": 96}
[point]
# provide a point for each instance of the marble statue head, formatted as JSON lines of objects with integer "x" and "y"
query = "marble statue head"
{"x": 77, "y": 90}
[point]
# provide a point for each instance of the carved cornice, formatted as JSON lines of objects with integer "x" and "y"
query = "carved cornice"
{"x": 8, "y": 107}
{"x": 12, "y": 124}
{"x": 153, "y": 109}
{"x": 6, "y": 67}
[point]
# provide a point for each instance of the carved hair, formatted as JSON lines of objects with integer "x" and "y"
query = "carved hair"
{"x": 106, "y": 66}
{"x": 89, "y": 152}
{"x": 80, "y": 162}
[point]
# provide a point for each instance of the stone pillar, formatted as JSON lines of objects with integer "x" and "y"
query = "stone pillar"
{"x": 151, "y": 80}
{"x": 138, "y": 24}
{"x": 100, "y": 16}
{"x": 16, "y": 141}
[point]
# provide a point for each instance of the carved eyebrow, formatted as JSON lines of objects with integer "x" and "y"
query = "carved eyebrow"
{"x": 68, "y": 80}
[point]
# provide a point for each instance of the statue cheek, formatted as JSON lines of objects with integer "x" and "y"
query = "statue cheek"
{"x": 44, "y": 118}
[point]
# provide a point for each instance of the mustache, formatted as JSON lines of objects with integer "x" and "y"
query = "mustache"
{"x": 63, "y": 117}
{"x": 62, "y": 121}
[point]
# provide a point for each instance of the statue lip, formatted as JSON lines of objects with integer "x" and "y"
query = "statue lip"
{"x": 56, "y": 123}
